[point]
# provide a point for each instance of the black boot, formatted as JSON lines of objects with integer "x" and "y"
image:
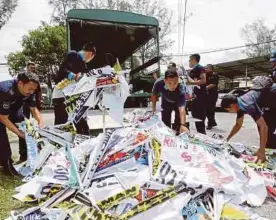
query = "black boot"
{"x": 9, "y": 169}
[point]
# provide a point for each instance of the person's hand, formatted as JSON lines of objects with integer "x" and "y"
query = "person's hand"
{"x": 21, "y": 135}
{"x": 183, "y": 129}
{"x": 78, "y": 76}
{"x": 41, "y": 124}
{"x": 260, "y": 155}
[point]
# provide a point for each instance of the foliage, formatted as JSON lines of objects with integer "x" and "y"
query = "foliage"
{"x": 45, "y": 46}
{"x": 258, "y": 33}
{"x": 154, "y": 8}
{"x": 7, "y": 7}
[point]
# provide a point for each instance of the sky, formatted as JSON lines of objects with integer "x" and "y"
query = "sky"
{"x": 213, "y": 24}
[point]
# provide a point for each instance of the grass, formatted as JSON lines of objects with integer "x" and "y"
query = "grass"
{"x": 7, "y": 189}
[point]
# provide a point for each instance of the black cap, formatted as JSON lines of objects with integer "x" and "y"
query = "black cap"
{"x": 89, "y": 47}
{"x": 171, "y": 74}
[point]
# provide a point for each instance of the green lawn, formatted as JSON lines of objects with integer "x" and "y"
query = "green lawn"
{"x": 7, "y": 204}
{"x": 7, "y": 189}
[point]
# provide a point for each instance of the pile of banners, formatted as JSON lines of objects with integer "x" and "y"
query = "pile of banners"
{"x": 139, "y": 172}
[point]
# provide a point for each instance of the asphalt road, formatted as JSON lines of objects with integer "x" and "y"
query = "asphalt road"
{"x": 248, "y": 136}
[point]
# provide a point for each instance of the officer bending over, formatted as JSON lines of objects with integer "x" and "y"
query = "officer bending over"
{"x": 12, "y": 95}
{"x": 173, "y": 99}
{"x": 73, "y": 65}
{"x": 260, "y": 104}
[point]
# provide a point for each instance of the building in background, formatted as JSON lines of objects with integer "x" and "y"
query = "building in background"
{"x": 4, "y": 72}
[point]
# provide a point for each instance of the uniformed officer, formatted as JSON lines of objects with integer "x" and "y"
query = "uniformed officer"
{"x": 173, "y": 99}
{"x": 273, "y": 63}
{"x": 197, "y": 77}
{"x": 73, "y": 65}
{"x": 212, "y": 95}
{"x": 261, "y": 106}
{"x": 12, "y": 95}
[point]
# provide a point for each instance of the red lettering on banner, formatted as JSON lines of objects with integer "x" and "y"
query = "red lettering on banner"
{"x": 186, "y": 157}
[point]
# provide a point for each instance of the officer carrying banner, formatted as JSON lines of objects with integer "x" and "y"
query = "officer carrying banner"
{"x": 73, "y": 65}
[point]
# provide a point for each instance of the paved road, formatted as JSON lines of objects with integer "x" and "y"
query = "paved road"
{"x": 248, "y": 136}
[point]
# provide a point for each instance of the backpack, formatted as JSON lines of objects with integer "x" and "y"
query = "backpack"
{"x": 268, "y": 95}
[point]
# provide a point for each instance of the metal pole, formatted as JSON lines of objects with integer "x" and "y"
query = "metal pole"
{"x": 68, "y": 35}
{"x": 158, "y": 52}
{"x": 246, "y": 73}
{"x": 104, "y": 121}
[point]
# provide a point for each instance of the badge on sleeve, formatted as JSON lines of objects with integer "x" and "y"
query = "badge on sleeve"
{"x": 6, "y": 105}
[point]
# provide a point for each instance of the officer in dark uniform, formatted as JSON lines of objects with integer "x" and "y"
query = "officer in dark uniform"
{"x": 73, "y": 65}
{"x": 261, "y": 106}
{"x": 197, "y": 77}
{"x": 12, "y": 95}
{"x": 273, "y": 63}
{"x": 173, "y": 99}
{"x": 212, "y": 95}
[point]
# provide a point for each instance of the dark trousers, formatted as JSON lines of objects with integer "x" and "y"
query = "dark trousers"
{"x": 61, "y": 117}
{"x": 5, "y": 148}
{"x": 270, "y": 119}
{"x": 199, "y": 112}
{"x": 166, "y": 114}
{"x": 211, "y": 108}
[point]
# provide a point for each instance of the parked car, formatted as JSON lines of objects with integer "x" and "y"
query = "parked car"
{"x": 237, "y": 92}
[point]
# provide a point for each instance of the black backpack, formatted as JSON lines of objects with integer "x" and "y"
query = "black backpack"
{"x": 268, "y": 91}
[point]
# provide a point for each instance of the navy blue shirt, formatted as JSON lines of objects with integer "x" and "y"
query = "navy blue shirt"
{"x": 176, "y": 97}
{"x": 11, "y": 100}
{"x": 248, "y": 104}
{"x": 212, "y": 79}
{"x": 195, "y": 74}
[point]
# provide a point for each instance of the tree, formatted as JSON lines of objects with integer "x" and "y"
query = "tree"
{"x": 7, "y": 7}
{"x": 258, "y": 33}
{"x": 16, "y": 61}
{"x": 154, "y": 8}
{"x": 45, "y": 46}
{"x": 60, "y": 9}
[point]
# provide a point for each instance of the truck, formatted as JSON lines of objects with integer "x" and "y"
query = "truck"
{"x": 118, "y": 35}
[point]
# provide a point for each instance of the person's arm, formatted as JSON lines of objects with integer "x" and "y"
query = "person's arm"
{"x": 4, "y": 119}
{"x": 236, "y": 127}
{"x": 154, "y": 98}
{"x": 36, "y": 114}
{"x": 214, "y": 83}
{"x": 202, "y": 80}
{"x": 182, "y": 111}
{"x": 211, "y": 86}
{"x": 182, "y": 114}
{"x": 155, "y": 91}
{"x": 263, "y": 133}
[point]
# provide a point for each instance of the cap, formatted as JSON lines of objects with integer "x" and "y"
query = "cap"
{"x": 273, "y": 56}
{"x": 171, "y": 74}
